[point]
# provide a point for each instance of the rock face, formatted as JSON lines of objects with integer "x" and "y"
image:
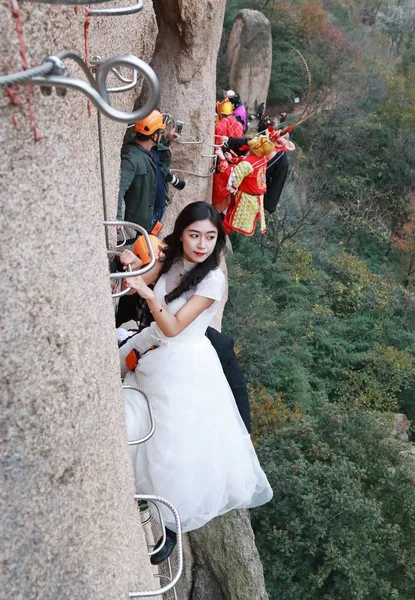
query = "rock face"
{"x": 249, "y": 57}
{"x": 227, "y": 564}
{"x": 400, "y": 427}
{"x": 70, "y": 526}
{"x": 185, "y": 61}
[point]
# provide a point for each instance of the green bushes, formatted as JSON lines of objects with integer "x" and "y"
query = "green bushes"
{"x": 322, "y": 309}
{"x": 314, "y": 322}
{"x": 311, "y": 328}
{"x": 341, "y": 524}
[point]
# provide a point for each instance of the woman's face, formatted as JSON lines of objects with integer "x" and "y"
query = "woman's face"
{"x": 199, "y": 240}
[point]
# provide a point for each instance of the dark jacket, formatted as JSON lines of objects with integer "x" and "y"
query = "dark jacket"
{"x": 138, "y": 183}
{"x": 277, "y": 171}
{"x": 224, "y": 347}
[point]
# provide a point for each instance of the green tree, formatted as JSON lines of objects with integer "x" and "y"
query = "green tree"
{"x": 342, "y": 520}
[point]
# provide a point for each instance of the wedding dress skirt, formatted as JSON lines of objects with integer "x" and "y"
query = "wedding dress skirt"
{"x": 200, "y": 457}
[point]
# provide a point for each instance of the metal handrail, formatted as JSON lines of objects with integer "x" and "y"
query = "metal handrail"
{"x": 191, "y": 142}
{"x": 130, "y": 83}
{"x": 167, "y": 588}
{"x": 129, "y": 269}
{"x": 163, "y": 529}
{"x": 120, "y": 76}
{"x": 97, "y": 91}
{"x": 150, "y": 413}
{"x": 149, "y": 246}
{"x": 116, "y": 12}
{"x": 194, "y": 174}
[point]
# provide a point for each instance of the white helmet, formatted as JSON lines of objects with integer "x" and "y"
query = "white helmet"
{"x": 230, "y": 94}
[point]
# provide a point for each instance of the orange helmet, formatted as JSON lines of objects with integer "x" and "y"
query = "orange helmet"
{"x": 150, "y": 124}
{"x": 140, "y": 248}
{"x": 224, "y": 108}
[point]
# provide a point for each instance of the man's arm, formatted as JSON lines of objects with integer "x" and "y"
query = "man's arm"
{"x": 128, "y": 171}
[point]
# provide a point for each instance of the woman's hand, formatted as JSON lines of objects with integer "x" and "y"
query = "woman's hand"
{"x": 129, "y": 258}
{"x": 138, "y": 284}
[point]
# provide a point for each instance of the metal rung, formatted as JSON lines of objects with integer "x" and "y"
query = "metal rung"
{"x": 163, "y": 530}
{"x": 97, "y": 91}
{"x": 116, "y": 12}
{"x": 150, "y": 413}
{"x": 129, "y": 269}
{"x": 169, "y": 120}
{"x": 211, "y": 171}
{"x": 191, "y": 142}
{"x": 161, "y": 576}
{"x": 149, "y": 247}
{"x": 175, "y": 579}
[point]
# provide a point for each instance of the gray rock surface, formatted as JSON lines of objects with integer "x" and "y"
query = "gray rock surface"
{"x": 70, "y": 528}
{"x": 249, "y": 57}
{"x": 185, "y": 60}
{"x": 400, "y": 427}
{"x": 227, "y": 564}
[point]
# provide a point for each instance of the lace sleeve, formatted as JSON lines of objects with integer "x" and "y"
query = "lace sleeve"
{"x": 212, "y": 286}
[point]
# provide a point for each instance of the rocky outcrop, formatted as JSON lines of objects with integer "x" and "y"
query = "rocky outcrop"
{"x": 185, "y": 60}
{"x": 227, "y": 564}
{"x": 400, "y": 427}
{"x": 249, "y": 57}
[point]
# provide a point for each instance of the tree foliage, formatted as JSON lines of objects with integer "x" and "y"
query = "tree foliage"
{"x": 322, "y": 307}
{"x": 332, "y": 324}
{"x": 342, "y": 520}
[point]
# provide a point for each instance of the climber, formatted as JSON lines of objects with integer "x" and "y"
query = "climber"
{"x": 227, "y": 124}
{"x": 277, "y": 170}
{"x": 239, "y": 110}
{"x": 248, "y": 183}
{"x": 145, "y": 164}
{"x": 200, "y": 457}
{"x": 283, "y": 117}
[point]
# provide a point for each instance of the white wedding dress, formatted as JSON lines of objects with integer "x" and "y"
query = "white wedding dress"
{"x": 200, "y": 457}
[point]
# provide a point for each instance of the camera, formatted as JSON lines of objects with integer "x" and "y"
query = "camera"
{"x": 179, "y": 126}
{"x": 176, "y": 182}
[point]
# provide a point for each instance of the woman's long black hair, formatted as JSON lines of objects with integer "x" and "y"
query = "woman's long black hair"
{"x": 196, "y": 211}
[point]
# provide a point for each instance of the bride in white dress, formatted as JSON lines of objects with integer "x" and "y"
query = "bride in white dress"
{"x": 200, "y": 457}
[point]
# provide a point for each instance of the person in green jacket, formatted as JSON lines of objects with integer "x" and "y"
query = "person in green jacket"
{"x": 145, "y": 172}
